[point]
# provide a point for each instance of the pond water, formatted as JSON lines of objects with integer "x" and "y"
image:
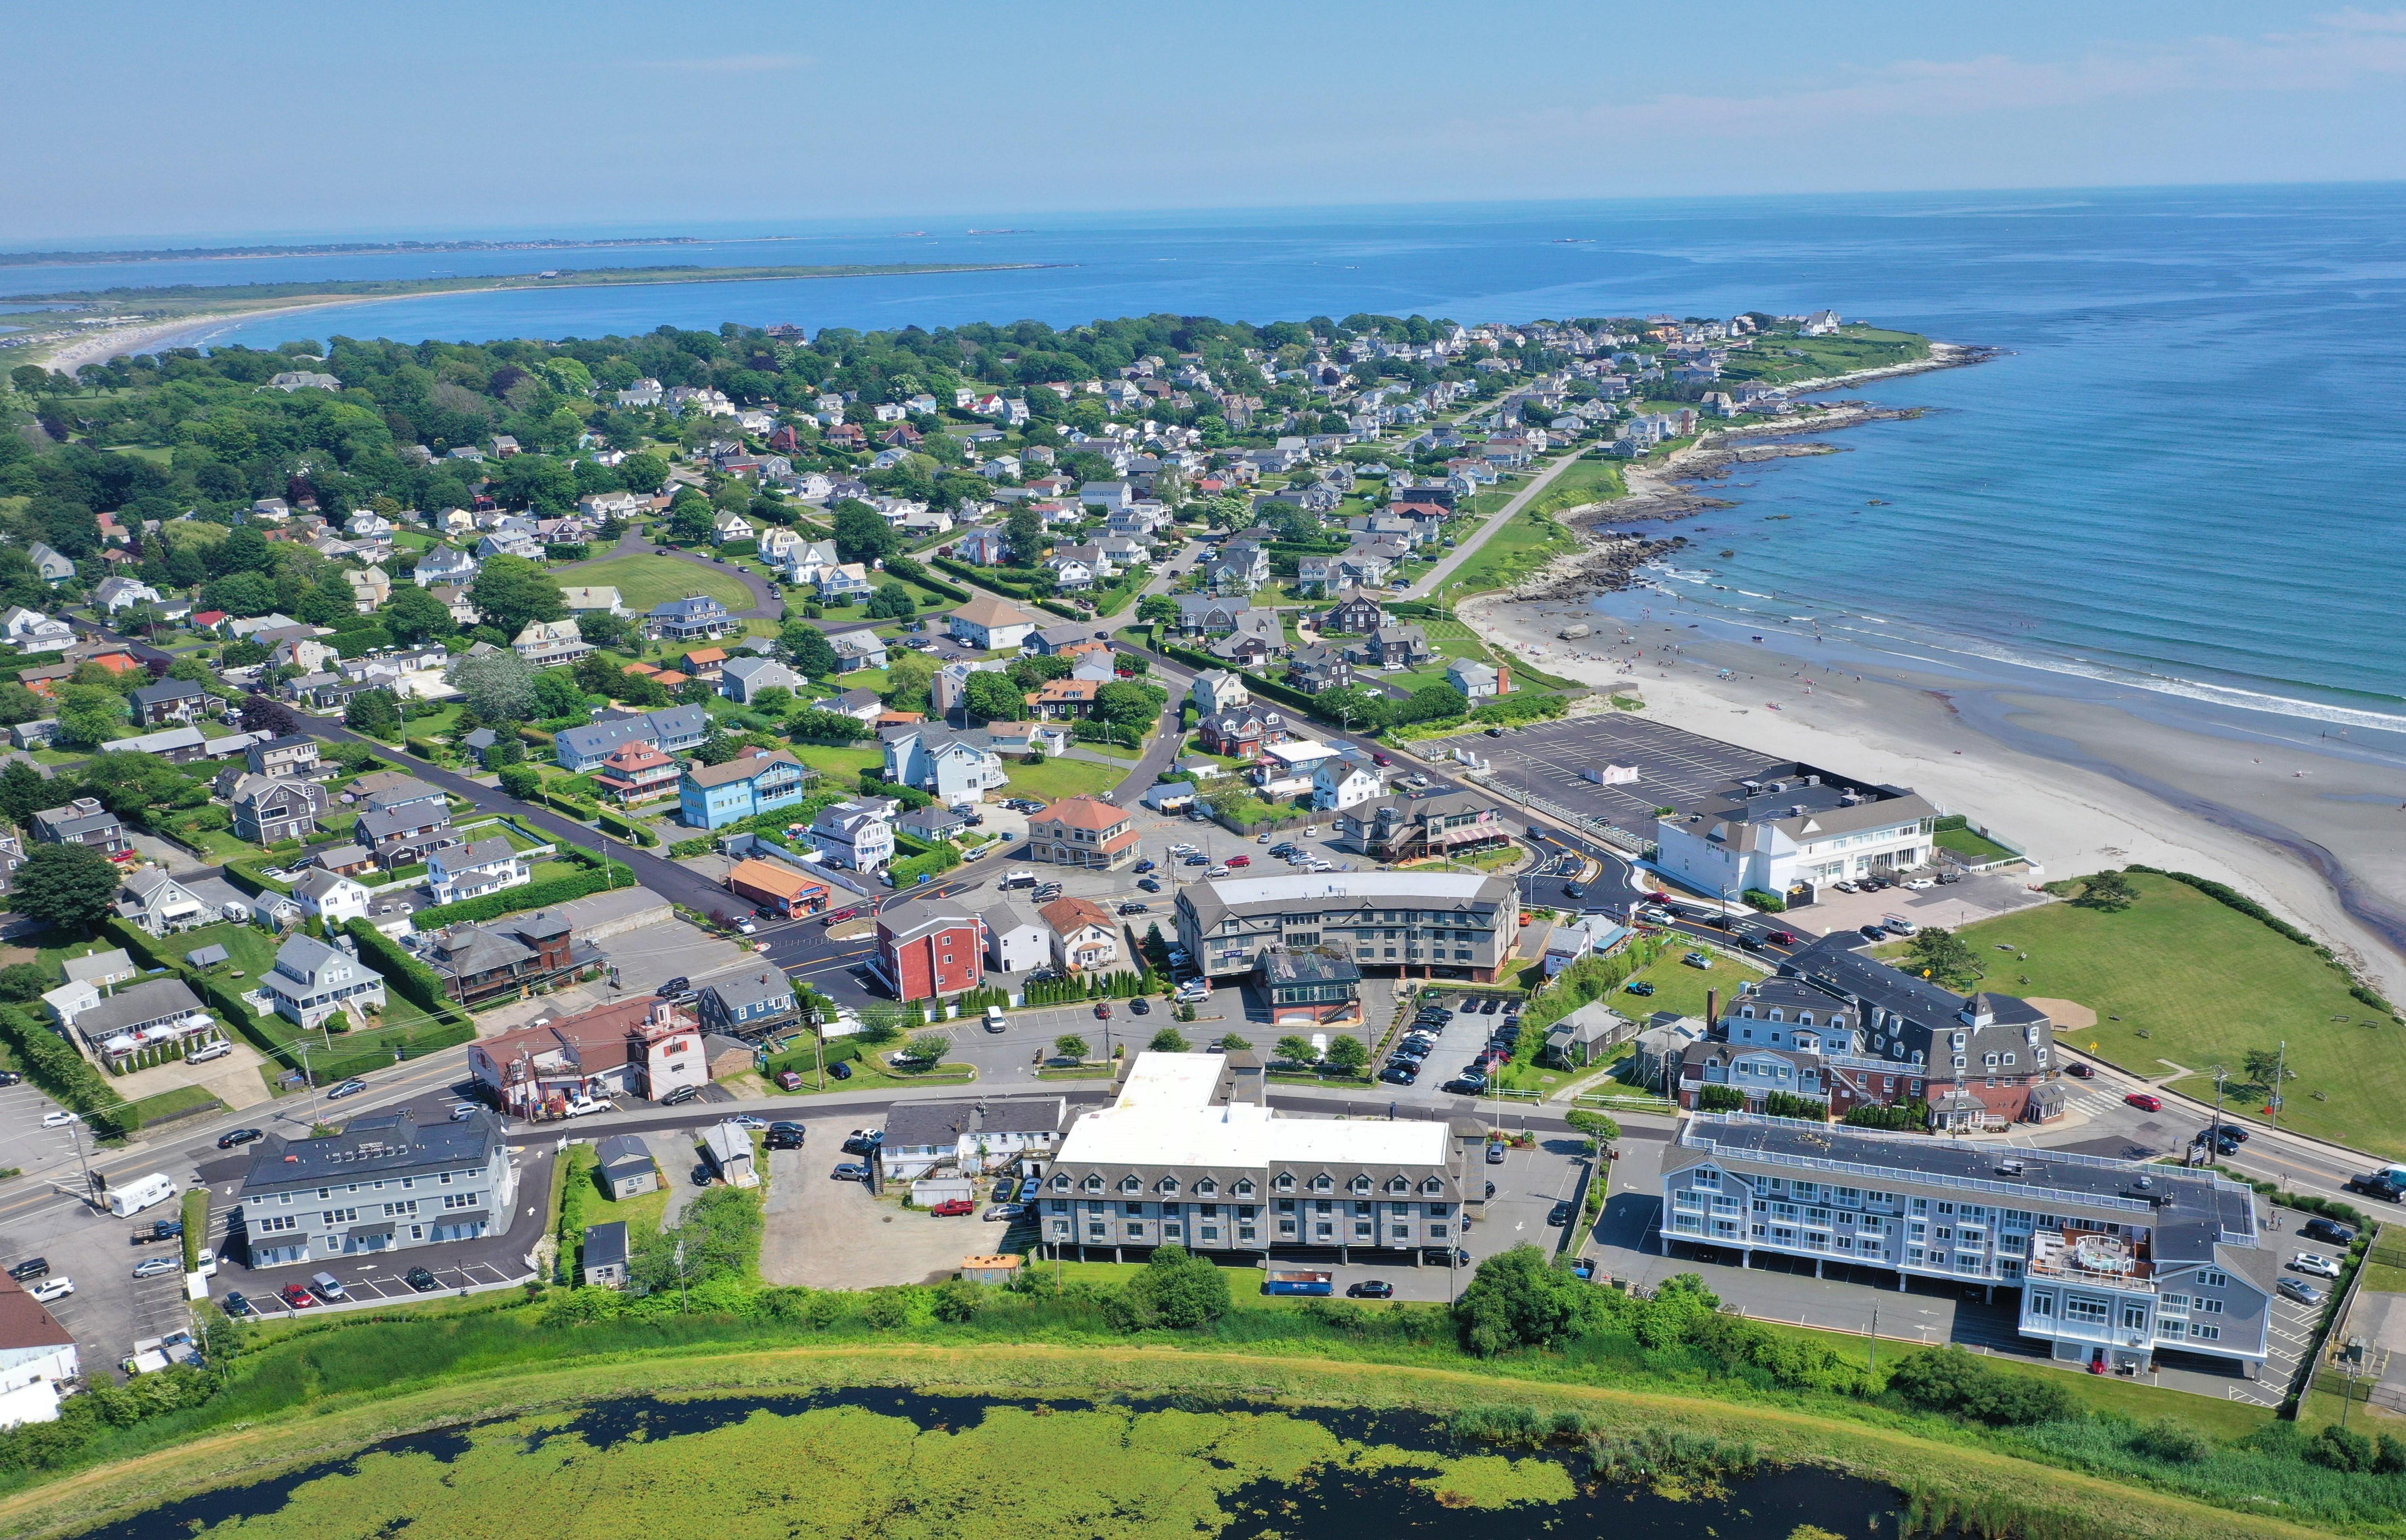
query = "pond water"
{"x": 884, "y": 1462}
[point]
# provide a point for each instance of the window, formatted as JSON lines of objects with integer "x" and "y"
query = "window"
{"x": 2212, "y": 1279}
{"x": 2203, "y": 1333}
{"x": 2081, "y": 1307}
{"x": 2042, "y": 1305}
{"x": 2134, "y": 1316}
{"x": 2208, "y": 1306}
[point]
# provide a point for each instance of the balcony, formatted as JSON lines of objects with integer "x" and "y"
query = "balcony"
{"x": 2092, "y": 1258}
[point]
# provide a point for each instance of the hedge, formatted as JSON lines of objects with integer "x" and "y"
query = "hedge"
{"x": 739, "y": 547}
{"x": 633, "y": 833}
{"x": 559, "y": 890}
{"x": 52, "y": 1063}
{"x": 225, "y": 1002}
{"x": 410, "y": 978}
{"x": 910, "y": 568}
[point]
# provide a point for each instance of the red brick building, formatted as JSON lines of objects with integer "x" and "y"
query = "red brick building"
{"x": 925, "y": 950}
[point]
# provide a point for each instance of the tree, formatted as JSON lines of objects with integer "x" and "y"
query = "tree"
{"x": 908, "y": 676}
{"x": 498, "y": 686}
{"x": 1231, "y": 1044}
{"x": 2110, "y": 891}
{"x": 1157, "y": 609}
{"x": 511, "y": 592}
{"x": 927, "y": 1047}
{"x": 412, "y": 615}
{"x": 644, "y": 472}
{"x": 23, "y": 792}
{"x": 809, "y": 648}
{"x": 556, "y": 693}
{"x": 994, "y": 697}
{"x": 891, "y": 601}
{"x": 1178, "y": 1290}
{"x": 1431, "y": 702}
{"x": 1297, "y": 1051}
{"x": 1348, "y": 1056}
{"x": 23, "y": 982}
{"x": 90, "y": 714}
{"x": 2265, "y": 1066}
{"x": 1518, "y": 1300}
{"x": 243, "y": 593}
{"x": 1944, "y": 957}
{"x": 69, "y": 886}
{"x": 1024, "y": 528}
{"x": 1950, "y": 1379}
{"x": 863, "y": 534}
{"x": 1354, "y": 707}
{"x": 1167, "y": 1040}
{"x": 373, "y": 712}
{"x": 523, "y": 782}
{"x": 771, "y": 700}
{"x": 1071, "y": 1046}
{"x": 267, "y": 714}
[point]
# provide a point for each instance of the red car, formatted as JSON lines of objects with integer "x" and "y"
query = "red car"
{"x": 296, "y": 1297}
{"x": 1235, "y": 861}
{"x": 1380, "y": 760}
{"x": 954, "y": 1208}
{"x": 1781, "y": 938}
{"x": 2144, "y": 1102}
{"x": 789, "y": 1080}
{"x": 836, "y": 916}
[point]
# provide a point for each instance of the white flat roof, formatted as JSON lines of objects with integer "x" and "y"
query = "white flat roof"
{"x": 1170, "y": 1083}
{"x": 1164, "y": 1117}
{"x": 1382, "y": 886}
{"x": 1298, "y": 751}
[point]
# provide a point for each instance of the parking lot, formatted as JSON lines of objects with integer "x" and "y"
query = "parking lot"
{"x": 363, "y": 1286}
{"x": 1675, "y": 768}
{"x": 826, "y": 1234}
{"x": 1457, "y": 1042}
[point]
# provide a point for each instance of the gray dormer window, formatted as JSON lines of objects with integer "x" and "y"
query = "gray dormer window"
{"x": 1206, "y": 1186}
{"x": 1129, "y": 1184}
{"x": 1284, "y": 1182}
{"x": 1323, "y": 1182}
{"x": 1361, "y": 1184}
{"x": 1094, "y": 1184}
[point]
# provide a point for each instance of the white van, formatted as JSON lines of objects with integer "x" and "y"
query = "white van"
{"x": 140, "y": 1194}
{"x": 994, "y": 1018}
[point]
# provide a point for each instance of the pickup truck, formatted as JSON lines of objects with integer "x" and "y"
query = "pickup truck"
{"x": 2377, "y": 1184}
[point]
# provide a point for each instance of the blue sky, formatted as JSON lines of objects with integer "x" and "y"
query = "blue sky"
{"x": 248, "y": 118}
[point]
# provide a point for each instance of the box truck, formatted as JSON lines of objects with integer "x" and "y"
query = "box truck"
{"x": 140, "y": 1194}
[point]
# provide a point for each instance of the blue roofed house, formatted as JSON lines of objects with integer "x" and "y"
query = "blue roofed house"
{"x": 673, "y": 730}
{"x": 715, "y": 796}
{"x": 683, "y": 619}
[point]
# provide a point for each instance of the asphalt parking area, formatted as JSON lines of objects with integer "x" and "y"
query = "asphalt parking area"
{"x": 383, "y": 1281}
{"x": 1675, "y": 768}
{"x": 826, "y": 1234}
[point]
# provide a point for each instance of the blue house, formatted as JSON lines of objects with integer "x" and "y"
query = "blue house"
{"x": 715, "y": 796}
{"x": 677, "y": 729}
{"x": 683, "y": 619}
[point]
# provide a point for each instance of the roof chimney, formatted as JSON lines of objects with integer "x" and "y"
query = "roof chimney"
{"x": 1712, "y": 1006}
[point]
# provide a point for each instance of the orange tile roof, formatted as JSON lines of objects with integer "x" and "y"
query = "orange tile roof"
{"x": 117, "y": 662}
{"x": 1067, "y": 914}
{"x": 706, "y": 657}
{"x": 1083, "y": 812}
{"x": 775, "y": 878}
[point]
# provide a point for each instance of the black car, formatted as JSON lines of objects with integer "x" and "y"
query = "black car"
{"x": 30, "y": 1270}
{"x": 1149, "y": 885}
{"x": 2318, "y": 1228}
{"x": 237, "y": 1305}
{"x": 238, "y": 1136}
{"x": 1560, "y": 1215}
{"x": 1133, "y": 908}
{"x": 678, "y": 985}
{"x": 681, "y": 1095}
{"x": 785, "y": 1136}
{"x": 1400, "y": 1074}
{"x": 841, "y": 1069}
{"x": 1466, "y": 1085}
{"x": 1140, "y": 1006}
{"x": 1573, "y": 890}
{"x": 421, "y": 1281}
{"x": 1371, "y": 1288}
{"x": 10, "y": 1076}
{"x": 2232, "y": 1132}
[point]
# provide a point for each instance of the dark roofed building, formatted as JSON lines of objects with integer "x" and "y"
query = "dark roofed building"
{"x": 507, "y": 957}
{"x": 1310, "y": 985}
{"x": 306, "y": 1200}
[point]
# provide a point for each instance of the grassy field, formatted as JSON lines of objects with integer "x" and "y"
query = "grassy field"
{"x": 2178, "y": 979}
{"x": 1587, "y": 480}
{"x": 1518, "y": 548}
{"x": 249, "y": 948}
{"x": 645, "y": 581}
{"x": 839, "y": 766}
{"x": 1681, "y": 988}
{"x": 1057, "y": 778}
{"x": 1843, "y": 352}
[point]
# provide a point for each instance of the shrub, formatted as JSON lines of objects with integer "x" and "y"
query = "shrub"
{"x": 1720, "y": 1098}
{"x": 1176, "y": 1289}
{"x": 1950, "y": 1379}
{"x": 2171, "y": 1441}
{"x": 559, "y": 890}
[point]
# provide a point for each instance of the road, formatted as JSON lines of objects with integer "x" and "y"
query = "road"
{"x": 1429, "y": 581}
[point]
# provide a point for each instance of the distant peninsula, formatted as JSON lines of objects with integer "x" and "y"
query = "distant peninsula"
{"x": 356, "y": 288}
{"x": 359, "y": 249}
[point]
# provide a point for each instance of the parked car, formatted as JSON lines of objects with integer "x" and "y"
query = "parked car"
{"x": 841, "y": 1069}
{"x": 1698, "y": 959}
{"x": 1371, "y": 1288}
{"x": 788, "y": 1080}
{"x": 10, "y": 1076}
{"x": 787, "y": 1135}
{"x": 1149, "y": 885}
{"x": 59, "y": 1119}
{"x": 1132, "y": 907}
{"x": 31, "y": 1267}
{"x": 348, "y": 1088}
{"x": 1240, "y": 861}
{"x": 1400, "y": 1074}
{"x": 2144, "y": 1102}
{"x": 1638, "y": 986}
{"x": 1140, "y": 1006}
{"x": 154, "y": 1267}
{"x": 1918, "y": 883}
{"x": 837, "y": 916}
{"x": 2314, "y": 1263}
{"x": 2231, "y": 1131}
{"x": 681, "y": 1095}
{"x": 214, "y": 1051}
{"x": 1102, "y": 1010}
{"x": 954, "y": 1208}
{"x": 2300, "y": 1291}
{"x": 2331, "y": 1230}
{"x": 237, "y": 1136}
{"x": 50, "y": 1289}
{"x": 237, "y": 1305}
{"x": 296, "y": 1297}
{"x": 849, "y": 1171}
{"x": 422, "y": 1280}
{"x": 1004, "y": 1212}
{"x": 1495, "y": 1152}
{"x": 1466, "y": 1085}
{"x": 327, "y": 1286}
{"x": 750, "y": 1119}
{"x": 1559, "y": 1216}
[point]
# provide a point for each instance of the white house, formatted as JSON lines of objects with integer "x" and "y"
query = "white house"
{"x": 32, "y": 631}
{"x": 992, "y": 624}
{"x": 1216, "y": 690}
{"x": 473, "y": 868}
{"x": 857, "y": 835}
{"x": 1345, "y": 782}
{"x": 546, "y": 644}
{"x": 1014, "y": 942}
{"x": 36, "y": 1356}
{"x": 311, "y": 981}
{"x": 332, "y": 897}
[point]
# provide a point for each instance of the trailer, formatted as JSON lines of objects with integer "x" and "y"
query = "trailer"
{"x": 1300, "y": 1280}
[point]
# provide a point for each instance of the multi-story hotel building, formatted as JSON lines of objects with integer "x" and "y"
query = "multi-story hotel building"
{"x": 1439, "y": 924}
{"x": 2116, "y": 1260}
{"x": 1188, "y": 1155}
{"x": 1793, "y": 827}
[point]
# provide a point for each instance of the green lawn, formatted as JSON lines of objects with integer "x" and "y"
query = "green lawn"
{"x": 1681, "y": 988}
{"x": 1587, "y": 480}
{"x": 1057, "y": 778}
{"x": 645, "y": 581}
{"x": 1525, "y": 542}
{"x": 1972, "y": 847}
{"x": 252, "y": 949}
{"x": 2180, "y": 977}
{"x": 839, "y": 766}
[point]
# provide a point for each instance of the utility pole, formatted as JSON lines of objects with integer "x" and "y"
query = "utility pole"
{"x": 682, "y": 1303}
{"x": 2280, "y": 1078}
{"x": 1875, "y": 1339}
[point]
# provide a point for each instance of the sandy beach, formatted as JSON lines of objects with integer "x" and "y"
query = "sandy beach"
{"x": 2083, "y": 779}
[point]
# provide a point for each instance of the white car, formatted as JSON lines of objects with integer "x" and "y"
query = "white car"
{"x": 59, "y": 1119}
{"x": 750, "y": 1119}
{"x": 583, "y": 1104}
{"x": 745, "y": 926}
{"x": 49, "y": 1288}
{"x": 2315, "y": 1264}
{"x": 215, "y": 1051}
{"x": 1918, "y": 883}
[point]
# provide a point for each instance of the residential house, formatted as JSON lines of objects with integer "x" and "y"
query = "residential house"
{"x": 731, "y": 527}
{"x": 176, "y": 745}
{"x": 332, "y": 897}
{"x": 636, "y": 773}
{"x": 293, "y": 755}
{"x": 312, "y": 981}
{"x": 744, "y": 678}
{"x": 1242, "y": 566}
{"x": 969, "y": 1138}
{"x": 1316, "y": 668}
{"x": 507, "y": 958}
{"x": 445, "y": 566}
{"x": 401, "y": 835}
{"x": 455, "y": 600}
{"x": 987, "y": 546}
{"x": 1054, "y": 640}
{"x": 858, "y": 650}
{"x": 752, "y": 783}
{"x": 1082, "y": 831}
{"x": 1206, "y": 615}
{"x": 673, "y": 730}
{"x": 1085, "y": 936}
{"x": 631, "y": 1048}
{"x": 371, "y": 589}
{"x": 471, "y": 869}
{"x": 1015, "y": 941}
{"x": 1394, "y": 646}
{"x": 461, "y": 1165}
{"x": 1346, "y": 780}
{"x": 1478, "y": 681}
{"x": 37, "y": 1355}
{"x": 592, "y": 601}
{"x": 119, "y": 594}
{"x": 952, "y": 766}
{"x": 53, "y": 567}
{"x": 1216, "y": 690}
{"x": 1355, "y": 614}
{"x": 992, "y": 624}
{"x": 860, "y": 705}
{"x": 927, "y": 949}
{"x": 1241, "y": 732}
{"x": 268, "y": 809}
{"x": 1063, "y": 700}
{"x": 163, "y": 906}
{"x": 82, "y": 822}
{"x": 688, "y": 619}
{"x": 626, "y": 1169}
{"x": 751, "y": 1004}
{"x": 169, "y": 701}
{"x": 548, "y": 644}
{"x": 856, "y": 835}
{"x": 32, "y": 631}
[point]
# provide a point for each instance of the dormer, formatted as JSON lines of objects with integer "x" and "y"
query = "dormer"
{"x": 1129, "y": 1184}
{"x": 1094, "y": 1183}
{"x": 1361, "y": 1185}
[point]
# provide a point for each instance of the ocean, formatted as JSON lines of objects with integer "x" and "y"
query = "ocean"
{"x": 2185, "y": 470}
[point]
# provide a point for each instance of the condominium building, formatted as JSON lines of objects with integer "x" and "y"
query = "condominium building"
{"x": 2115, "y": 1260}
{"x": 383, "y": 1183}
{"x": 1791, "y": 828}
{"x": 1188, "y": 1154}
{"x": 1441, "y": 925}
